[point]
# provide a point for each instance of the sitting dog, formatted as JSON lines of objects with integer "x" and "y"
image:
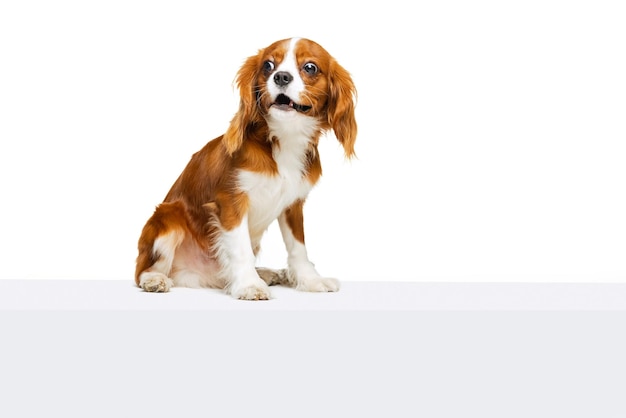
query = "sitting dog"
{"x": 207, "y": 231}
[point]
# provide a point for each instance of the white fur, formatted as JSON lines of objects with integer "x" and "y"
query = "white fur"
{"x": 165, "y": 246}
{"x": 290, "y": 65}
{"x": 156, "y": 278}
{"x": 238, "y": 264}
{"x": 301, "y": 269}
{"x": 153, "y": 281}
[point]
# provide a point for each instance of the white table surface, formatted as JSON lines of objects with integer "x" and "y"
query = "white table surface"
{"x": 374, "y": 296}
{"x": 78, "y": 348}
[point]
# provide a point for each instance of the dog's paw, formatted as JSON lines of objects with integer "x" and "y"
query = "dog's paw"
{"x": 152, "y": 281}
{"x": 256, "y": 291}
{"x": 318, "y": 284}
{"x": 273, "y": 277}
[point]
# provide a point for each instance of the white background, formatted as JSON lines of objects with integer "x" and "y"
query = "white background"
{"x": 491, "y": 147}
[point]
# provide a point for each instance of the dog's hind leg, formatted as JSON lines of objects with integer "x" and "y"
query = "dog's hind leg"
{"x": 161, "y": 236}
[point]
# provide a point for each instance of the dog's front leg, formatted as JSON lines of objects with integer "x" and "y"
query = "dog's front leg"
{"x": 300, "y": 269}
{"x": 238, "y": 263}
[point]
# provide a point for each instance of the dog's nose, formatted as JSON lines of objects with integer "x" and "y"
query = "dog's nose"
{"x": 282, "y": 78}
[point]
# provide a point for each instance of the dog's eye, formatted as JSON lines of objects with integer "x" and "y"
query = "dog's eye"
{"x": 268, "y": 66}
{"x": 310, "y": 68}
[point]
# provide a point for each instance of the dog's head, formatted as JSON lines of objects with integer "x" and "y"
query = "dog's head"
{"x": 294, "y": 80}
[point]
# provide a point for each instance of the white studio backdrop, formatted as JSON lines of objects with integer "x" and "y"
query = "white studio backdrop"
{"x": 492, "y": 135}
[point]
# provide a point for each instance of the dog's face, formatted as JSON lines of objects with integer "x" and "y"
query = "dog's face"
{"x": 294, "y": 79}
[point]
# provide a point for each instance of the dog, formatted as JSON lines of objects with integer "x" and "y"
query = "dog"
{"x": 207, "y": 231}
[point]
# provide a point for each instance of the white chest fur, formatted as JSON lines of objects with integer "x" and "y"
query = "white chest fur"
{"x": 270, "y": 195}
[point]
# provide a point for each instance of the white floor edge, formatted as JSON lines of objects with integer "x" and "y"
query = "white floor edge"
{"x": 359, "y": 296}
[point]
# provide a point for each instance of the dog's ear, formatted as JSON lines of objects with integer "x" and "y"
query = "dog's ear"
{"x": 341, "y": 104}
{"x": 248, "y": 112}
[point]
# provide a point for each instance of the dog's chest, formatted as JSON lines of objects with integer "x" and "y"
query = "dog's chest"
{"x": 270, "y": 194}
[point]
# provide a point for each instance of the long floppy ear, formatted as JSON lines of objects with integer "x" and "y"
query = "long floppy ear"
{"x": 341, "y": 104}
{"x": 248, "y": 111}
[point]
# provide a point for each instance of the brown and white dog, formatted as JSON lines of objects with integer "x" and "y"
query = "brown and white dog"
{"x": 207, "y": 231}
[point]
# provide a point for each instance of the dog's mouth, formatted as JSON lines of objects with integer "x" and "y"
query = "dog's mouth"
{"x": 283, "y": 102}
